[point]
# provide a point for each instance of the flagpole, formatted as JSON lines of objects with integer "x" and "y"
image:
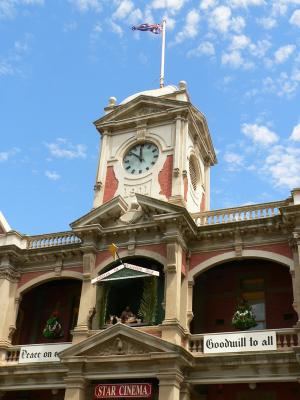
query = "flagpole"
{"x": 163, "y": 47}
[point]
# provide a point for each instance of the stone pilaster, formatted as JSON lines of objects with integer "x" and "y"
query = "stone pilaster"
{"x": 9, "y": 277}
{"x": 295, "y": 273}
{"x": 87, "y": 299}
{"x": 75, "y": 389}
{"x": 185, "y": 393}
{"x": 171, "y": 327}
{"x": 169, "y": 386}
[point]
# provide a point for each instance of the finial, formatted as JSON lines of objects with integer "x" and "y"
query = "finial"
{"x": 112, "y": 102}
{"x": 182, "y": 85}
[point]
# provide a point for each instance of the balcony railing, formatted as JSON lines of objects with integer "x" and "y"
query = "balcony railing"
{"x": 244, "y": 213}
{"x": 52, "y": 239}
{"x": 285, "y": 340}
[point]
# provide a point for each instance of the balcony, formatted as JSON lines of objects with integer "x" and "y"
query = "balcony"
{"x": 286, "y": 339}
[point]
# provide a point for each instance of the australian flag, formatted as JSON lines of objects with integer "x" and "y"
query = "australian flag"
{"x": 154, "y": 28}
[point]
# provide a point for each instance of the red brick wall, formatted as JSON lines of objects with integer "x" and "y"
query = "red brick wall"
{"x": 199, "y": 258}
{"x": 217, "y": 290}
{"x": 280, "y": 248}
{"x": 185, "y": 187}
{"x": 183, "y": 263}
{"x": 111, "y": 184}
{"x": 165, "y": 177}
{"x": 202, "y": 203}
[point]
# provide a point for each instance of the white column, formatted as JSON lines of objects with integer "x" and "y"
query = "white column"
{"x": 101, "y": 171}
{"x": 8, "y": 287}
{"x": 87, "y": 298}
{"x": 169, "y": 387}
{"x": 171, "y": 327}
{"x": 75, "y": 389}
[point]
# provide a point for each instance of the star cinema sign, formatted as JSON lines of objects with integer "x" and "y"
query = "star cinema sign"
{"x": 123, "y": 390}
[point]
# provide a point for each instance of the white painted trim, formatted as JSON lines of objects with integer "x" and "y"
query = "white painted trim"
{"x": 47, "y": 277}
{"x": 230, "y": 256}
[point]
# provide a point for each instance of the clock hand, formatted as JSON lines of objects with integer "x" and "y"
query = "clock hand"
{"x": 141, "y": 152}
{"x": 133, "y": 154}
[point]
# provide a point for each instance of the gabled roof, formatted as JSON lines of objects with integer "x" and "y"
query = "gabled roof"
{"x": 110, "y": 210}
{"x": 138, "y": 107}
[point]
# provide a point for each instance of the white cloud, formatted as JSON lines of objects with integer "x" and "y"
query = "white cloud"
{"x": 295, "y": 18}
{"x": 64, "y": 149}
{"x": 267, "y": 22}
{"x": 296, "y": 133}
{"x": 116, "y": 28}
{"x": 234, "y": 158}
{"x": 86, "y": 5}
{"x": 124, "y": 8}
{"x": 219, "y": 19}
{"x": 283, "y": 164}
{"x": 235, "y": 60}
{"x": 246, "y": 3}
{"x": 284, "y": 85}
{"x": 260, "y": 134}
{"x": 135, "y": 16}
{"x": 172, "y": 5}
{"x": 260, "y": 48}
{"x": 239, "y": 42}
{"x": 5, "y": 155}
{"x": 190, "y": 29}
{"x": 52, "y": 175}
{"x": 205, "y": 4}
{"x": 8, "y": 8}
{"x": 205, "y": 48}
{"x": 6, "y": 68}
{"x": 283, "y": 53}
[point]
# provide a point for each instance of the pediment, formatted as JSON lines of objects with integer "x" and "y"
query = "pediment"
{"x": 140, "y": 106}
{"x": 120, "y": 340}
{"x": 107, "y": 212}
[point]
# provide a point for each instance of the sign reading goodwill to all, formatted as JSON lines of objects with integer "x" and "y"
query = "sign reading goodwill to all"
{"x": 237, "y": 342}
{"x": 123, "y": 390}
{"x": 41, "y": 353}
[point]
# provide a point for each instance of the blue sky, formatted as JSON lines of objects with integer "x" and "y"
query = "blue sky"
{"x": 60, "y": 61}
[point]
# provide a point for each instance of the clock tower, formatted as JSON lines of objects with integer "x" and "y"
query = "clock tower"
{"x": 155, "y": 143}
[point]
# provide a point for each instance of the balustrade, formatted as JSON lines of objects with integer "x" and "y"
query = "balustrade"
{"x": 243, "y": 213}
{"x": 50, "y": 240}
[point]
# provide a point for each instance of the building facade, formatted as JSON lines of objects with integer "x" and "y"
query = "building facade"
{"x": 156, "y": 320}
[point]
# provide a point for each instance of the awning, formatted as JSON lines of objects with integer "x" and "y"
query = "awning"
{"x": 125, "y": 271}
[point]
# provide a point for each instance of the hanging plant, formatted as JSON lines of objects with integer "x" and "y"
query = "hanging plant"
{"x": 243, "y": 318}
{"x": 148, "y": 305}
{"x": 53, "y": 328}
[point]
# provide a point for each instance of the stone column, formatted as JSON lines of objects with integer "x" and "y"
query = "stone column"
{"x": 87, "y": 299}
{"x": 75, "y": 389}
{"x": 296, "y": 274}
{"x": 8, "y": 287}
{"x": 171, "y": 327}
{"x": 101, "y": 171}
{"x": 185, "y": 393}
{"x": 169, "y": 386}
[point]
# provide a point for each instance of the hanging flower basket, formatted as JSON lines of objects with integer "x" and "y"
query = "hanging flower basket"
{"x": 243, "y": 318}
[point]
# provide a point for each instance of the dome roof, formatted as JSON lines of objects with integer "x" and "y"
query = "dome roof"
{"x": 154, "y": 92}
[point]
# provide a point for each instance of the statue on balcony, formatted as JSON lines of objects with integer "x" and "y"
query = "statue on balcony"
{"x": 53, "y": 328}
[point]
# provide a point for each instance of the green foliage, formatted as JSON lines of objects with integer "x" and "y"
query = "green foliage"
{"x": 53, "y": 328}
{"x": 243, "y": 318}
{"x": 148, "y": 305}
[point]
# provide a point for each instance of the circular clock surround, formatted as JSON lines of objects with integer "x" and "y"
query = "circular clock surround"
{"x": 140, "y": 158}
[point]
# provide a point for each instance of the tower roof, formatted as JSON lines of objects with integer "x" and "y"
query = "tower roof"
{"x": 153, "y": 92}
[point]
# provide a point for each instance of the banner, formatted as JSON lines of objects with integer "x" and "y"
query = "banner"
{"x": 237, "y": 342}
{"x": 123, "y": 390}
{"x": 41, "y": 353}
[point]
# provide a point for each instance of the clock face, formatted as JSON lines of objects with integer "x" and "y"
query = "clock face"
{"x": 140, "y": 158}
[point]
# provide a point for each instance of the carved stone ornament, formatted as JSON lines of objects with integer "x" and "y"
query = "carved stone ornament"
{"x": 119, "y": 346}
{"x": 98, "y": 186}
{"x": 10, "y": 274}
{"x": 141, "y": 133}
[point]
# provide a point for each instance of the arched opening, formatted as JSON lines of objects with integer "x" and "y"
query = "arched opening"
{"x": 265, "y": 285}
{"x": 141, "y": 295}
{"x": 58, "y": 299}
